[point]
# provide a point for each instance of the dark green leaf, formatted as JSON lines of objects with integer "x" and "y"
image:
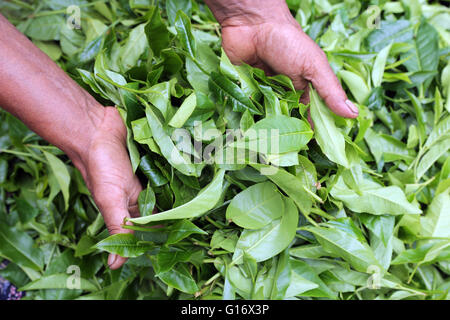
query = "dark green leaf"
{"x": 229, "y": 93}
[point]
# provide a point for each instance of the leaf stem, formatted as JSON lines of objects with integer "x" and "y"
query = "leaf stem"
{"x": 413, "y": 273}
{"x": 312, "y": 194}
{"x": 210, "y": 26}
{"x": 218, "y": 252}
{"x": 62, "y": 11}
{"x": 37, "y": 146}
{"x": 23, "y": 154}
{"x": 310, "y": 220}
{"x": 139, "y": 228}
{"x": 126, "y": 88}
{"x": 23, "y": 4}
{"x": 322, "y": 214}
{"x": 200, "y": 243}
{"x": 214, "y": 223}
{"x": 214, "y": 277}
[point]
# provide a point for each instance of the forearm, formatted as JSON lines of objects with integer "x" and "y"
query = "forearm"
{"x": 235, "y": 12}
{"x": 44, "y": 97}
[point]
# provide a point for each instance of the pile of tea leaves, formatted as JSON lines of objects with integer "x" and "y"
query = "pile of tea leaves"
{"x": 252, "y": 202}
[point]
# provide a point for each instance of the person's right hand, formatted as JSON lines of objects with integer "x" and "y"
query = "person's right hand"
{"x": 268, "y": 37}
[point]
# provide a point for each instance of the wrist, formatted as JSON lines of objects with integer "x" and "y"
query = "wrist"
{"x": 249, "y": 12}
{"x": 35, "y": 90}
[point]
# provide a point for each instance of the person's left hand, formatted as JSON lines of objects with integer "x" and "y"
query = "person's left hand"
{"x": 107, "y": 171}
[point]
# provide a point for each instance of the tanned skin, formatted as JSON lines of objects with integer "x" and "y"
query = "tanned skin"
{"x": 33, "y": 88}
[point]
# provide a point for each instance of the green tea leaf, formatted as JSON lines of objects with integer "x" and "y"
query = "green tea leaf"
{"x": 61, "y": 173}
{"x": 167, "y": 258}
{"x": 151, "y": 171}
{"x": 436, "y": 222}
{"x": 290, "y": 184}
{"x": 202, "y": 203}
{"x": 374, "y": 199}
{"x": 58, "y": 281}
{"x": 134, "y": 47}
{"x": 422, "y": 254}
{"x": 224, "y": 239}
{"x": 267, "y": 242}
{"x": 256, "y": 206}
{"x": 167, "y": 147}
{"x": 174, "y": 6}
{"x": 344, "y": 244}
{"x": 183, "y": 27}
{"x": 389, "y": 31}
{"x": 179, "y": 278}
{"x": 229, "y": 93}
{"x": 184, "y": 112}
{"x": 303, "y": 270}
{"x": 125, "y": 245}
{"x": 328, "y": 136}
{"x": 424, "y": 56}
{"x": 146, "y": 201}
{"x": 276, "y": 135}
{"x": 156, "y": 31}
{"x": 379, "y": 65}
{"x": 182, "y": 229}
{"x": 434, "y": 153}
{"x": 18, "y": 247}
{"x": 45, "y": 28}
{"x": 356, "y": 84}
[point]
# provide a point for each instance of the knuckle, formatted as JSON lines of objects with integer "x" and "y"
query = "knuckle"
{"x": 309, "y": 71}
{"x": 133, "y": 210}
{"x": 114, "y": 229}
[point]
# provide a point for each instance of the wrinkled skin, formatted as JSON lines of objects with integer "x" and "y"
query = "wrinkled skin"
{"x": 36, "y": 90}
{"x": 275, "y": 47}
{"x": 110, "y": 178}
{"x": 283, "y": 48}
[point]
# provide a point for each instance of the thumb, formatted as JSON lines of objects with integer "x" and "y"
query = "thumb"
{"x": 114, "y": 219}
{"x": 328, "y": 87}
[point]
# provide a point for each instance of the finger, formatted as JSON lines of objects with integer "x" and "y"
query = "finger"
{"x": 115, "y": 261}
{"x": 114, "y": 219}
{"x": 305, "y": 96}
{"x": 328, "y": 87}
{"x": 134, "y": 211}
{"x": 133, "y": 206}
{"x": 117, "y": 212}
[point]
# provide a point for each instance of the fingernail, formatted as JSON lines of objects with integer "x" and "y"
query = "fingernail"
{"x": 111, "y": 259}
{"x": 352, "y": 107}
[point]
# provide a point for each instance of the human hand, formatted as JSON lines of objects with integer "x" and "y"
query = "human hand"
{"x": 49, "y": 102}
{"x": 268, "y": 37}
{"x": 107, "y": 171}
